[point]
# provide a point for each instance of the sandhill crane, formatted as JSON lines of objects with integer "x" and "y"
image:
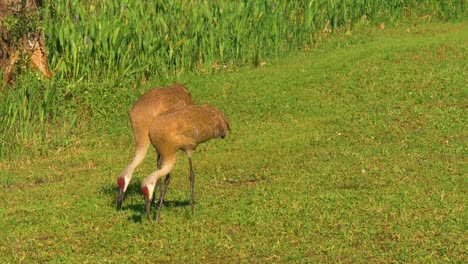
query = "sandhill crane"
{"x": 181, "y": 128}
{"x": 149, "y": 105}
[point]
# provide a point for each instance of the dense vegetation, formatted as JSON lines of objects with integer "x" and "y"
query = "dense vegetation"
{"x": 118, "y": 40}
{"x": 100, "y": 49}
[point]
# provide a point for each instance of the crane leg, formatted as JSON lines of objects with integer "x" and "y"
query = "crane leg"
{"x": 158, "y": 183}
{"x": 158, "y": 161}
{"x": 192, "y": 182}
{"x": 161, "y": 197}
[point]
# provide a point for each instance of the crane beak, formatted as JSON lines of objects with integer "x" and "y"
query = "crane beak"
{"x": 148, "y": 208}
{"x": 122, "y": 186}
{"x": 120, "y": 199}
{"x": 147, "y": 194}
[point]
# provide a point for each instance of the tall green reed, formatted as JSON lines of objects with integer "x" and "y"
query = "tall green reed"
{"x": 114, "y": 43}
{"x": 140, "y": 39}
{"x": 31, "y": 117}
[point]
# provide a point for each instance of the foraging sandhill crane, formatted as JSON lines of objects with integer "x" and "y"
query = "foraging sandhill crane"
{"x": 181, "y": 128}
{"x": 149, "y": 105}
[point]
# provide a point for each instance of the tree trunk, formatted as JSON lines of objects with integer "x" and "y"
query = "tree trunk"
{"x": 21, "y": 39}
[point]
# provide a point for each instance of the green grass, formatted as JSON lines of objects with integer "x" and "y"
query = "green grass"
{"x": 354, "y": 152}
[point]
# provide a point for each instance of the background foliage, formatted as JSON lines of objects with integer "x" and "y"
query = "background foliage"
{"x": 139, "y": 39}
{"x": 96, "y": 48}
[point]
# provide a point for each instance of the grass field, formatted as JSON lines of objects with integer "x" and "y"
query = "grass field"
{"x": 354, "y": 153}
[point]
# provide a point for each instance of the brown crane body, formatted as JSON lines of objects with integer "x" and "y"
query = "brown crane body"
{"x": 150, "y": 105}
{"x": 181, "y": 129}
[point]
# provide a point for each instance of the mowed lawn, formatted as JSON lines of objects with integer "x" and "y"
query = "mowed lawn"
{"x": 353, "y": 152}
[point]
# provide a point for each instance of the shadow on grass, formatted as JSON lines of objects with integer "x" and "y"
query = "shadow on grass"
{"x": 140, "y": 213}
{"x": 139, "y": 210}
{"x": 113, "y": 191}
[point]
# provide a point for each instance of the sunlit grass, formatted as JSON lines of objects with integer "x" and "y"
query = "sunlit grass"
{"x": 350, "y": 153}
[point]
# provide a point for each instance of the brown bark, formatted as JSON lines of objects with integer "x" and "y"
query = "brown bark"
{"x": 19, "y": 36}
